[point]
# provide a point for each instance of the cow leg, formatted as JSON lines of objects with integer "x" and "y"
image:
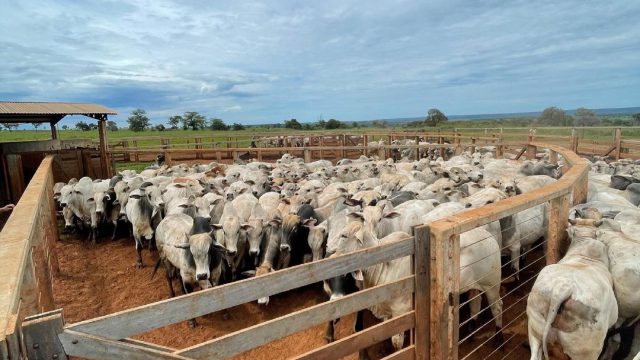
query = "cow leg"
{"x": 188, "y": 288}
{"x": 329, "y": 333}
{"x": 152, "y": 244}
{"x": 493, "y": 298}
{"x": 626, "y": 339}
{"x": 474, "y": 309}
{"x": 115, "y": 230}
{"x": 359, "y": 326}
{"x": 139, "y": 263}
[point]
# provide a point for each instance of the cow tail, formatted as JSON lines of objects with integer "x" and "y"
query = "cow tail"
{"x": 558, "y": 297}
{"x": 155, "y": 268}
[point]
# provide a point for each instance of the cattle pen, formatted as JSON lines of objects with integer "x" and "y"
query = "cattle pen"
{"x": 33, "y": 327}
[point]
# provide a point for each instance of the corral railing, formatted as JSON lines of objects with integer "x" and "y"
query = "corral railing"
{"x": 615, "y": 142}
{"x": 434, "y": 320}
{"x": 27, "y": 259}
{"x": 442, "y": 239}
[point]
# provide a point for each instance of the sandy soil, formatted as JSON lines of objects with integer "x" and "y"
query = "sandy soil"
{"x": 98, "y": 280}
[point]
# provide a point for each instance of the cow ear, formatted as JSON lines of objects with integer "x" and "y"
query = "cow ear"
{"x": 90, "y": 199}
{"x": 217, "y": 247}
{"x": 572, "y": 221}
{"x": 250, "y": 182}
{"x": 249, "y": 273}
{"x": 246, "y": 227}
{"x": 310, "y": 222}
{"x": 392, "y": 214}
{"x": 216, "y": 227}
{"x": 286, "y": 201}
{"x": 275, "y": 222}
{"x": 356, "y": 216}
{"x": 445, "y": 174}
{"x": 242, "y": 191}
{"x": 352, "y": 202}
{"x": 135, "y": 196}
{"x": 307, "y": 201}
{"x": 182, "y": 246}
{"x": 357, "y": 275}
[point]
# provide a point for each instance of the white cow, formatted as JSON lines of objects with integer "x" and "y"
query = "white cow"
{"x": 572, "y": 304}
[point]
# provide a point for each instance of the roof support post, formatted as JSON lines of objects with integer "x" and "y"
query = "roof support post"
{"x": 104, "y": 163}
{"x": 54, "y": 131}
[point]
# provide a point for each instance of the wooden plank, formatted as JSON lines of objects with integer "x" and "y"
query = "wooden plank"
{"x": 104, "y": 162}
{"x": 444, "y": 293}
{"x": 15, "y": 245}
{"x": 94, "y": 347}
{"x": 553, "y": 157}
{"x": 617, "y": 136}
{"x": 422, "y": 301}
{"x": 532, "y": 150}
{"x": 407, "y": 353}
{"x": 152, "y": 316}
{"x": 16, "y": 175}
{"x": 263, "y": 333}
{"x": 520, "y": 153}
{"x": 558, "y": 212}
{"x": 41, "y": 336}
{"x": 361, "y": 339}
{"x": 148, "y": 345}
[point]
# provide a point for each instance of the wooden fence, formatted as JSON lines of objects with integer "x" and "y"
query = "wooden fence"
{"x": 433, "y": 321}
{"x": 27, "y": 253}
{"x": 333, "y": 146}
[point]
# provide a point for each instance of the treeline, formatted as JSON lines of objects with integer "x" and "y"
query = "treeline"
{"x": 191, "y": 120}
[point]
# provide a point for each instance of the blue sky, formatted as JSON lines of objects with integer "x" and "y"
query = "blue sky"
{"x": 263, "y": 62}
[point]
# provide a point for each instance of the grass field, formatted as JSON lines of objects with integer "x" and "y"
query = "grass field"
{"x": 151, "y": 139}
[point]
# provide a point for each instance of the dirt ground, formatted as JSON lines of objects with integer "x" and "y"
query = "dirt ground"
{"x": 102, "y": 279}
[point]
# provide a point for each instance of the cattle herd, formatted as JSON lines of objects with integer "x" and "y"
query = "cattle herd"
{"x": 215, "y": 223}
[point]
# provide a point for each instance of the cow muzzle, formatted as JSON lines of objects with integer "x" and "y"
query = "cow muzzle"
{"x": 202, "y": 277}
{"x": 285, "y": 247}
{"x": 254, "y": 252}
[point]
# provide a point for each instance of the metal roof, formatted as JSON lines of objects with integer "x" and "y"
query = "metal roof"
{"x": 14, "y": 111}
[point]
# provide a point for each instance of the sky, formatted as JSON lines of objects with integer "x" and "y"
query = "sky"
{"x": 263, "y": 62}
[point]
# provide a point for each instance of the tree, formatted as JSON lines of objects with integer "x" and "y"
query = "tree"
{"x": 355, "y": 125}
{"x": 160, "y": 127}
{"x": 292, "y": 124}
{"x": 237, "y": 127}
{"x": 554, "y": 116}
{"x": 585, "y": 117}
{"x": 435, "y": 117}
{"x": 83, "y": 126}
{"x": 636, "y": 118}
{"x": 65, "y": 127}
{"x": 138, "y": 121}
{"x": 218, "y": 124}
{"x": 10, "y": 126}
{"x": 175, "y": 121}
{"x": 322, "y": 124}
{"x": 36, "y": 125}
{"x": 333, "y": 124}
{"x": 194, "y": 121}
{"x": 112, "y": 126}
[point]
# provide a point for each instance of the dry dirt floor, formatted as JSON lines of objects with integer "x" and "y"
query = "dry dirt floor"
{"x": 102, "y": 279}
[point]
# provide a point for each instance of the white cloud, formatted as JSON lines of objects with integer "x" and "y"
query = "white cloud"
{"x": 277, "y": 60}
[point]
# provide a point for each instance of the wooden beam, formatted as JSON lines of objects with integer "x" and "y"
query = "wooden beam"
{"x": 104, "y": 161}
{"x": 40, "y": 336}
{"x": 558, "y": 213}
{"x": 162, "y": 313}
{"x": 361, "y": 339}
{"x": 617, "y": 136}
{"x": 94, "y": 347}
{"x": 407, "y": 353}
{"x": 422, "y": 300}
{"x": 263, "y": 333}
{"x": 15, "y": 175}
{"x": 54, "y": 131}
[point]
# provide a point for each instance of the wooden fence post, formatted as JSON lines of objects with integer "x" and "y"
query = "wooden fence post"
{"x": 229, "y": 146}
{"x": 198, "y": 148}
{"x": 422, "y": 300}
{"x": 556, "y": 240}
{"x": 365, "y": 140}
{"x": 40, "y": 334}
{"x": 136, "y": 157}
{"x": 617, "y": 136}
{"x": 127, "y": 154}
{"x": 473, "y": 147}
{"x": 580, "y": 190}
{"x": 307, "y": 155}
{"x": 444, "y": 292}
{"x": 574, "y": 140}
{"x": 553, "y": 157}
{"x": 531, "y": 152}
